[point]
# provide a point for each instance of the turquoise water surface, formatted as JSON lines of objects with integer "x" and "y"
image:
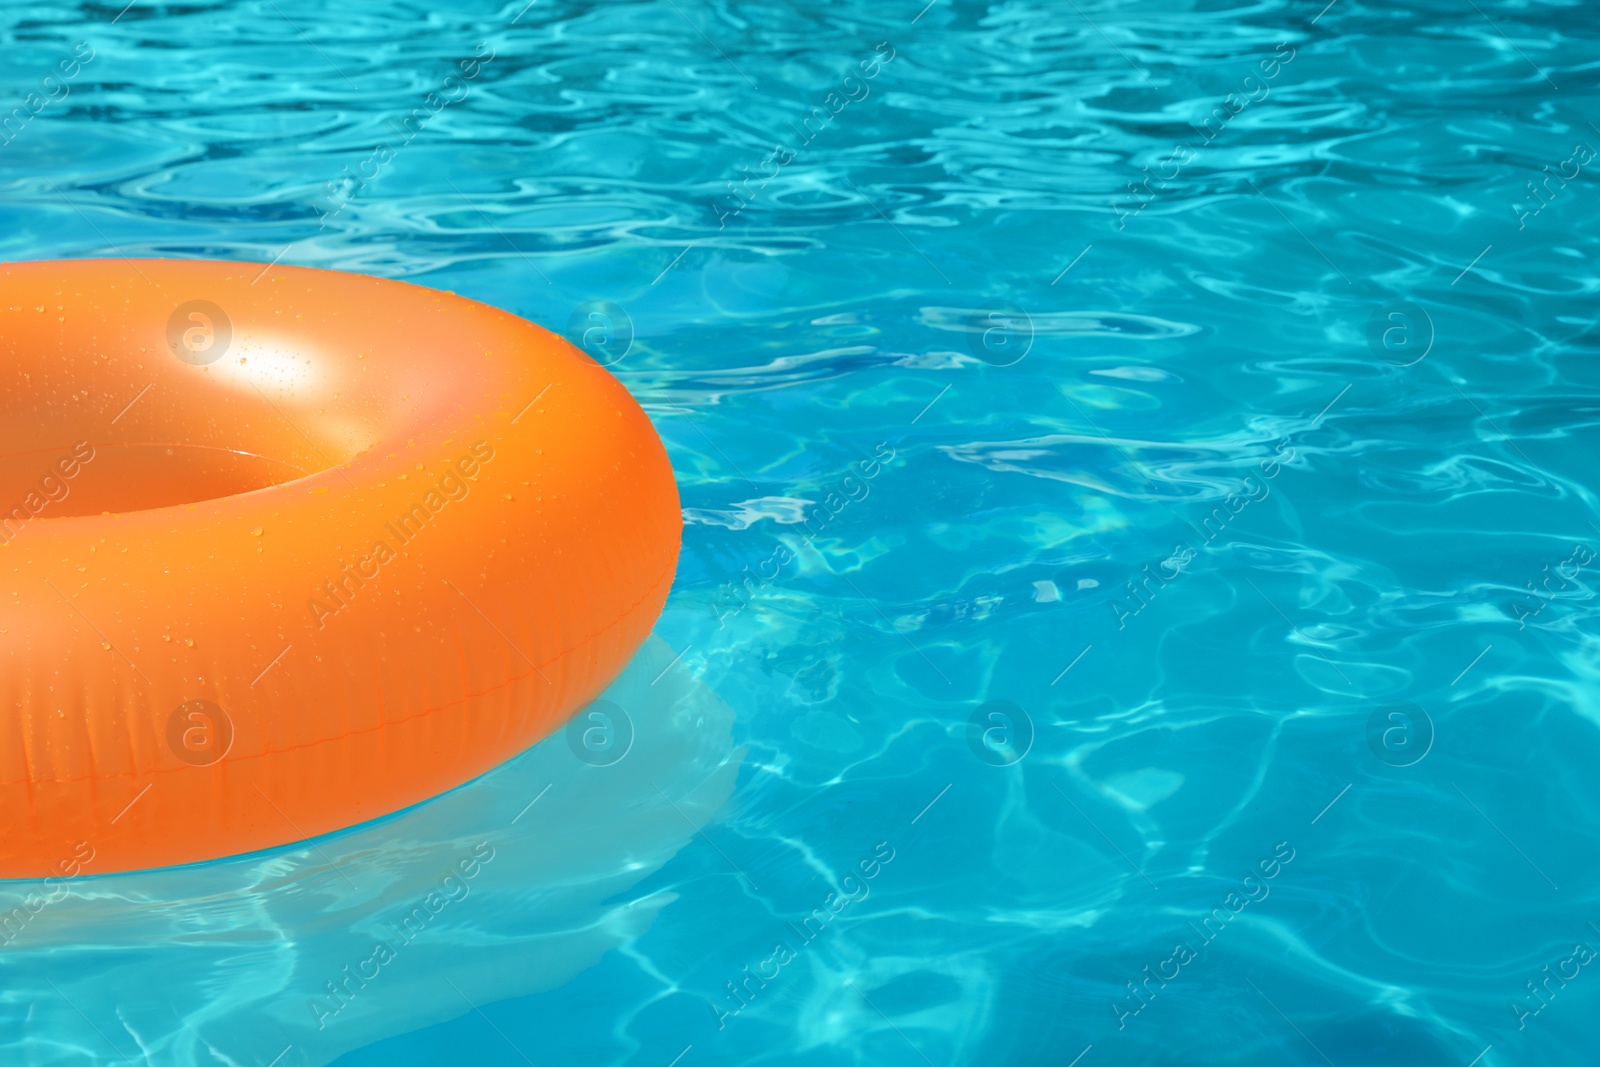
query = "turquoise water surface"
{"x": 1137, "y": 600}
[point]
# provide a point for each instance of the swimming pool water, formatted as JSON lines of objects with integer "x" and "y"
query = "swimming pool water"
{"x": 1137, "y": 600}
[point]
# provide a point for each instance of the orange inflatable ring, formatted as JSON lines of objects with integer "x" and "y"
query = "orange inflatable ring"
{"x": 282, "y": 551}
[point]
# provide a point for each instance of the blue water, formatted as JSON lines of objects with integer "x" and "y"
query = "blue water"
{"x": 1138, "y": 591}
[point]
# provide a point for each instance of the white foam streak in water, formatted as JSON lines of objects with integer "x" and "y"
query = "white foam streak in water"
{"x": 555, "y": 847}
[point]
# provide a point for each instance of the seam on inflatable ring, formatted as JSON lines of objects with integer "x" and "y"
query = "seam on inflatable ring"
{"x": 590, "y": 639}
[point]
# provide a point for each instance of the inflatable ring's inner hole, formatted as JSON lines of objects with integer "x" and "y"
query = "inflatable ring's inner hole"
{"x": 67, "y": 451}
{"x": 57, "y": 482}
